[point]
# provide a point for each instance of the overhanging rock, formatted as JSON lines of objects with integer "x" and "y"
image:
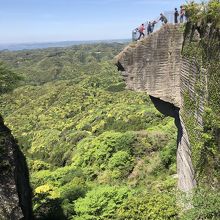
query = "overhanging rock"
{"x": 153, "y": 65}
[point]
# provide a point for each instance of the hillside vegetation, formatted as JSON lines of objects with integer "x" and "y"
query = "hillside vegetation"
{"x": 202, "y": 46}
{"x": 94, "y": 149}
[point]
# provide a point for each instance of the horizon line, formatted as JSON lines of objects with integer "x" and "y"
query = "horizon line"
{"x": 61, "y": 41}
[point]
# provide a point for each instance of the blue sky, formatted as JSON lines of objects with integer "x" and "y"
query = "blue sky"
{"x": 61, "y": 20}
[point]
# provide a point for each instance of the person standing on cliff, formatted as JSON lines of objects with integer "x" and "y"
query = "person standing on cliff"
{"x": 149, "y": 28}
{"x": 153, "y": 25}
{"x": 176, "y": 15}
{"x": 141, "y": 31}
{"x": 163, "y": 18}
{"x": 182, "y": 13}
{"x": 134, "y": 34}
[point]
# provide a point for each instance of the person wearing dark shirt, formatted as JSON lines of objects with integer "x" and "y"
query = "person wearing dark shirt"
{"x": 163, "y": 18}
{"x": 153, "y": 25}
{"x": 149, "y": 28}
{"x": 176, "y": 15}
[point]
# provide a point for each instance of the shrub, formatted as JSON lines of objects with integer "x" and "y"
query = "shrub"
{"x": 151, "y": 206}
{"x": 93, "y": 154}
{"x": 168, "y": 154}
{"x": 73, "y": 190}
{"x": 205, "y": 205}
{"x": 121, "y": 161}
{"x": 8, "y": 79}
{"x": 47, "y": 203}
{"x": 101, "y": 203}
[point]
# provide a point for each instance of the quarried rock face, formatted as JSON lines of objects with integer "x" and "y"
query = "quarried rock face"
{"x": 15, "y": 191}
{"x": 154, "y": 65}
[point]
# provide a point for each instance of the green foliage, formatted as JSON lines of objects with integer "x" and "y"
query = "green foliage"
{"x": 204, "y": 13}
{"x": 101, "y": 203}
{"x": 74, "y": 189}
{"x": 94, "y": 155}
{"x": 213, "y": 85}
{"x": 80, "y": 128}
{"x": 168, "y": 154}
{"x": 210, "y": 153}
{"x": 76, "y": 63}
{"x": 202, "y": 48}
{"x": 8, "y": 79}
{"x": 70, "y": 192}
{"x": 121, "y": 162}
{"x": 47, "y": 204}
{"x": 150, "y": 206}
{"x": 205, "y": 205}
{"x": 213, "y": 13}
{"x": 38, "y": 165}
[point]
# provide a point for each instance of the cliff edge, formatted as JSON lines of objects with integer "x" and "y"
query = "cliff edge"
{"x": 153, "y": 64}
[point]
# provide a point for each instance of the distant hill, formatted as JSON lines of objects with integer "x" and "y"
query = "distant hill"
{"x": 30, "y": 46}
{"x": 44, "y": 65}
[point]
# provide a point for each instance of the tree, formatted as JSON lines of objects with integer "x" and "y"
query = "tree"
{"x": 8, "y": 79}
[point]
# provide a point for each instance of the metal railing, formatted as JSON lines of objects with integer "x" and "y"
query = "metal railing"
{"x": 170, "y": 18}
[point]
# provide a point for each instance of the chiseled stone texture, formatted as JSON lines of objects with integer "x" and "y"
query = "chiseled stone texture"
{"x": 193, "y": 81}
{"x": 15, "y": 191}
{"x": 153, "y": 64}
{"x": 185, "y": 170}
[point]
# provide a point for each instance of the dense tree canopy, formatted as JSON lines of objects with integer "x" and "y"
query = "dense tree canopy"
{"x": 8, "y": 79}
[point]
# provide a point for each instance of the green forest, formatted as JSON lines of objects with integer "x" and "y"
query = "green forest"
{"x": 94, "y": 149}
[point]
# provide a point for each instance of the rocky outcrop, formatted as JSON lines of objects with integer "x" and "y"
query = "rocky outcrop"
{"x": 15, "y": 191}
{"x": 154, "y": 65}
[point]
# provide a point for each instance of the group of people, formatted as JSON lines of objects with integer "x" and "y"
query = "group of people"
{"x": 141, "y": 29}
{"x": 150, "y": 27}
{"x": 182, "y": 15}
{"x": 163, "y": 19}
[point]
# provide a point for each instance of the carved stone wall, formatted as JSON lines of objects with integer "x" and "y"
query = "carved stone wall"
{"x": 193, "y": 82}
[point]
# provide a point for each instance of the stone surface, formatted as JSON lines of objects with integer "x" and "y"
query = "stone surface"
{"x": 193, "y": 81}
{"x": 185, "y": 170}
{"x": 15, "y": 191}
{"x": 154, "y": 65}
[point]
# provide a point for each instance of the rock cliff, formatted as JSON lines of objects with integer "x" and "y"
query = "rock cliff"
{"x": 15, "y": 191}
{"x": 155, "y": 65}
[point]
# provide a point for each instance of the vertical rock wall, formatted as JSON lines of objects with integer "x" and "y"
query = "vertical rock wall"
{"x": 15, "y": 191}
{"x": 193, "y": 82}
{"x": 185, "y": 170}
